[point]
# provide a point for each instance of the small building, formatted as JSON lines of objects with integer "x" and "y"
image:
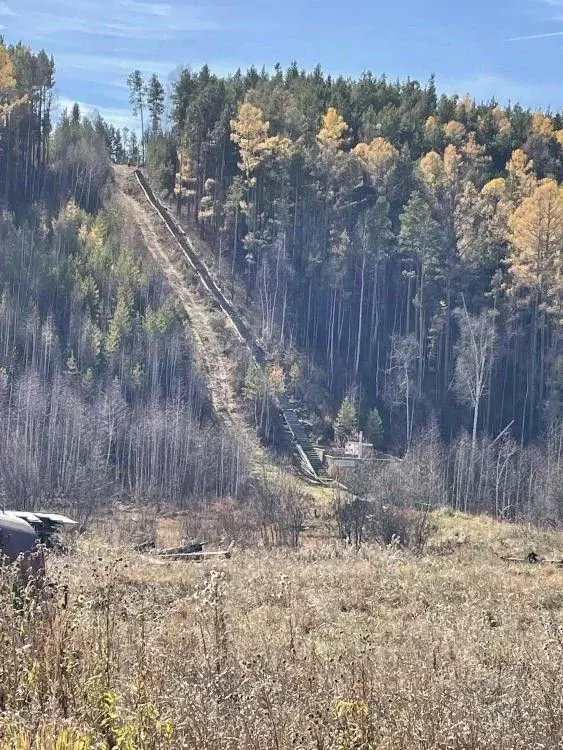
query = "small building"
{"x": 341, "y": 461}
{"x": 359, "y": 448}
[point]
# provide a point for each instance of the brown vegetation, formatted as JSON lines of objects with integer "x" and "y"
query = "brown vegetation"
{"x": 321, "y": 647}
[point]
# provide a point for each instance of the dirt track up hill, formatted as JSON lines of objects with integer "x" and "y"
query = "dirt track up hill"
{"x": 210, "y": 352}
{"x": 164, "y": 238}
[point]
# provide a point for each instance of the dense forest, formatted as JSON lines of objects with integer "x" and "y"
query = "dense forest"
{"x": 99, "y": 397}
{"x": 381, "y": 229}
{"x": 401, "y": 251}
{"x": 398, "y": 253}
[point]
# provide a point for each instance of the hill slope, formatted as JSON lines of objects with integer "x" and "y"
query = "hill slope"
{"x": 213, "y": 351}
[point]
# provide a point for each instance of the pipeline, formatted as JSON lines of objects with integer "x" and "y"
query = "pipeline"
{"x": 244, "y": 334}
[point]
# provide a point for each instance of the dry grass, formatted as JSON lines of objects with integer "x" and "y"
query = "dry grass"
{"x": 316, "y": 648}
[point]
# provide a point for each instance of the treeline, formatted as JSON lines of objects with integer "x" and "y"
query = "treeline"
{"x": 26, "y": 92}
{"x": 407, "y": 245}
{"x": 99, "y": 397}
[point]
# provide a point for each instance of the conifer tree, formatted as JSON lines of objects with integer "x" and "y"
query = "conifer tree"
{"x": 346, "y": 421}
{"x": 155, "y": 103}
{"x": 374, "y": 429}
{"x": 137, "y": 97}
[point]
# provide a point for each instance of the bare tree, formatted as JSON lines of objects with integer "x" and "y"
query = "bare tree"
{"x": 475, "y": 349}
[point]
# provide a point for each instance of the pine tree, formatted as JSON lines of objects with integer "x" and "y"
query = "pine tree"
{"x": 137, "y": 97}
{"x": 374, "y": 429}
{"x": 346, "y": 421}
{"x": 155, "y": 103}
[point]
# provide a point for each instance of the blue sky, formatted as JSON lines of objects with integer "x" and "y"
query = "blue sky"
{"x": 510, "y": 49}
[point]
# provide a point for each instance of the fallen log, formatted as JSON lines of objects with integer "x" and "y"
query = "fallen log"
{"x": 192, "y": 551}
{"x": 533, "y": 559}
{"x": 194, "y": 555}
{"x": 184, "y": 549}
{"x": 145, "y": 546}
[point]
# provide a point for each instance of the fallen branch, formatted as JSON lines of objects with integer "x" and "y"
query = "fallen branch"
{"x": 188, "y": 553}
{"x": 533, "y": 559}
{"x": 194, "y": 555}
{"x": 184, "y": 549}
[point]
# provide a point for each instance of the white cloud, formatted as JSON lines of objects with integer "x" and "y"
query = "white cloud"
{"x": 120, "y": 117}
{"x": 149, "y": 9}
{"x": 100, "y": 66}
{"x": 124, "y": 19}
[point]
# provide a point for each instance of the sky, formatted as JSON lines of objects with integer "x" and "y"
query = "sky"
{"x": 508, "y": 49}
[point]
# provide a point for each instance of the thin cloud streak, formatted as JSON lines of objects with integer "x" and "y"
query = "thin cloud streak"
{"x": 126, "y": 19}
{"x": 150, "y": 9}
{"x": 100, "y": 66}
{"x": 535, "y": 36}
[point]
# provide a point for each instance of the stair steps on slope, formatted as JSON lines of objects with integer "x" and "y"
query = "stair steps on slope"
{"x": 306, "y": 455}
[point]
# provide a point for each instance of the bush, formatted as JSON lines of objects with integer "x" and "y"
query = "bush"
{"x": 361, "y": 520}
{"x": 280, "y": 509}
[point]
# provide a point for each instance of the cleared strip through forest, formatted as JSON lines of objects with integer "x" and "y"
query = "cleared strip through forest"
{"x": 244, "y": 334}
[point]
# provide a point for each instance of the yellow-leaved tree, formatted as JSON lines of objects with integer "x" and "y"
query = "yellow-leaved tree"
{"x": 541, "y": 125}
{"x": 494, "y": 188}
{"x": 8, "y": 100}
{"x": 536, "y": 238}
{"x": 7, "y": 80}
{"x": 378, "y": 157}
{"x": 431, "y": 168}
{"x": 536, "y": 282}
{"x": 249, "y": 131}
{"x": 454, "y": 132}
{"x": 333, "y": 131}
{"x": 502, "y": 121}
{"x": 460, "y": 215}
{"x": 185, "y": 183}
{"x": 465, "y": 107}
{"x": 521, "y": 180}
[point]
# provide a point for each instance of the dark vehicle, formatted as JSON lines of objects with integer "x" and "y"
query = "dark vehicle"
{"x": 46, "y": 525}
{"x": 22, "y": 532}
{"x": 18, "y": 541}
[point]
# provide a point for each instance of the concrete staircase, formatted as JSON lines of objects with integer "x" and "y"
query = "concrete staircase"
{"x": 308, "y": 455}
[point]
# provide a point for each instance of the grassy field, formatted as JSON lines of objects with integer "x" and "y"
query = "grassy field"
{"x": 318, "y": 648}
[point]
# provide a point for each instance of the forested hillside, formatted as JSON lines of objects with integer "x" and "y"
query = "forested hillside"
{"x": 378, "y": 224}
{"x": 99, "y": 397}
{"x": 398, "y": 254}
{"x": 401, "y": 251}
